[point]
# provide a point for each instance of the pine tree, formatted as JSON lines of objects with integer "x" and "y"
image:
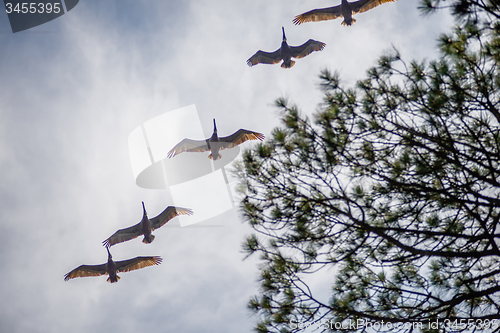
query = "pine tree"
{"x": 393, "y": 188}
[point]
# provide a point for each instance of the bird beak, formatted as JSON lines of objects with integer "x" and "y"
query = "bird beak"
{"x": 215, "y": 127}
{"x": 284, "y": 38}
{"x": 144, "y": 209}
{"x": 109, "y": 253}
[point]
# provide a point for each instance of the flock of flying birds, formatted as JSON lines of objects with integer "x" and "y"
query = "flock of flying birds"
{"x": 214, "y": 144}
{"x": 285, "y": 52}
{"x": 147, "y": 225}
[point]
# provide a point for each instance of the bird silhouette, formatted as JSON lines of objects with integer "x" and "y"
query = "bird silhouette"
{"x": 285, "y": 53}
{"x": 112, "y": 268}
{"x": 214, "y": 143}
{"x": 146, "y": 226}
{"x": 345, "y": 10}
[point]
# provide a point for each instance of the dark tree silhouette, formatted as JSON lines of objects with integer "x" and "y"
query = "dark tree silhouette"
{"x": 392, "y": 190}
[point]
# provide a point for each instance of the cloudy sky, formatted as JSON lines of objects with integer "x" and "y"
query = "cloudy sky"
{"x": 74, "y": 89}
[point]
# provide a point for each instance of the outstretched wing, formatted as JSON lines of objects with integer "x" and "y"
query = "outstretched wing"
{"x": 169, "y": 213}
{"x": 189, "y": 145}
{"x": 239, "y": 137}
{"x": 364, "y": 5}
{"x": 87, "y": 270}
{"x": 124, "y": 235}
{"x": 306, "y": 48}
{"x": 322, "y": 14}
{"x": 262, "y": 57}
{"x": 137, "y": 263}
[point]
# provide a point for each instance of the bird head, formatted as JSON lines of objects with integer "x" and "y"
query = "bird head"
{"x": 284, "y": 38}
{"x": 144, "y": 210}
{"x": 109, "y": 253}
{"x": 215, "y": 127}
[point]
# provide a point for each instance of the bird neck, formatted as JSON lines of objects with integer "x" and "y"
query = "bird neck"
{"x": 109, "y": 253}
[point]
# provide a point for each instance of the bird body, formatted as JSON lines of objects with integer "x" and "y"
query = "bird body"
{"x": 345, "y": 9}
{"x": 112, "y": 268}
{"x": 215, "y": 143}
{"x": 146, "y": 226}
{"x": 285, "y": 53}
{"x": 347, "y": 13}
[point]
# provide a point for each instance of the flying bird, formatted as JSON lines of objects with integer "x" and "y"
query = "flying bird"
{"x": 214, "y": 143}
{"x": 285, "y": 53}
{"x": 345, "y": 9}
{"x": 112, "y": 268}
{"x": 146, "y": 226}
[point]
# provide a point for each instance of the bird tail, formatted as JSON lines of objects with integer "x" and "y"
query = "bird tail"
{"x": 211, "y": 157}
{"x": 111, "y": 281}
{"x": 145, "y": 241}
{"x": 351, "y": 22}
{"x": 292, "y": 62}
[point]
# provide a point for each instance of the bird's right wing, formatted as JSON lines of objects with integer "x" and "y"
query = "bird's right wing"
{"x": 169, "y": 213}
{"x": 239, "y": 137}
{"x": 364, "y": 5}
{"x": 87, "y": 270}
{"x": 123, "y": 235}
{"x": 262, "y": 57}
{"x": 307, "y": 48}
{"x": 190, "y": 146}
{"x": 137, "y": 263}
{"x": 322, "y": 14}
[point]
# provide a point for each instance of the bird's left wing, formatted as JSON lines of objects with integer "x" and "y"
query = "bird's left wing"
{"x": 137, "y": 263}
{"x": 189, "y": 145}
{"x": 364, "y": 5}
{"x": 123, "y": 235}
{"x": 262, "y": 57}
{"x": 306, "y": 48}
{"x": 322, "y": 14}
{"x": 86, "y": 270}
{"x": 169, "y": 213}
{"x": 239, "y": 137}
